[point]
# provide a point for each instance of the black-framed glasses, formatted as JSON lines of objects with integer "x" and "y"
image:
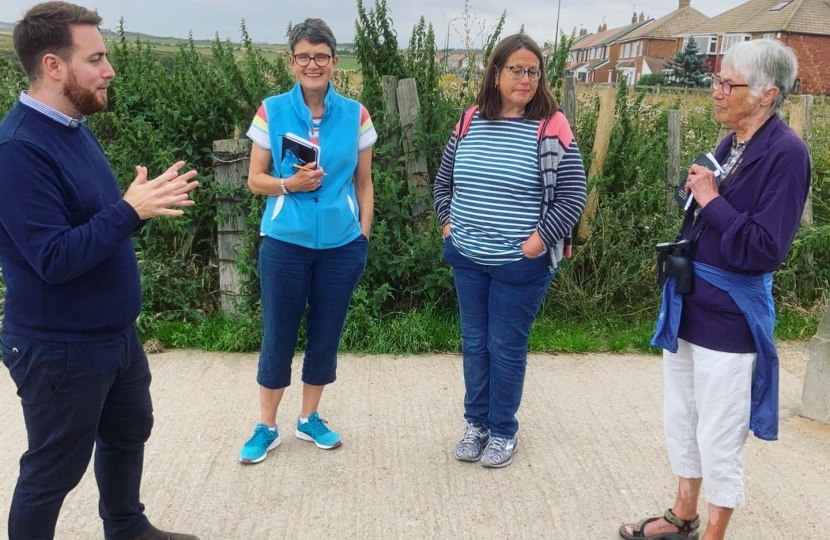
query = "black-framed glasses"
{"x": 725, "y": 86}
{"x": 304, "y": 60}
{"x": 517, "y": 72}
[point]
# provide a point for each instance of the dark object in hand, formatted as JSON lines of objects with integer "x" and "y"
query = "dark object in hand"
{"x": 675, "y": 259}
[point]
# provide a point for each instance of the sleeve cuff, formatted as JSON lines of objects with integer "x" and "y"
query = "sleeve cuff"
{"x": 128, "y": 213}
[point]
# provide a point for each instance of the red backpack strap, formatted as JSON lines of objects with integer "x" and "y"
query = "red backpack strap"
{"x": 463, "y": 125}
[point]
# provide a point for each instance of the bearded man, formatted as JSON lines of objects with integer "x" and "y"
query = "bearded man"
{"x": 72, "y": 284}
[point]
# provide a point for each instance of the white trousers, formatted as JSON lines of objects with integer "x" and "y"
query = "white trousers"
{"x": 706, "y": 418}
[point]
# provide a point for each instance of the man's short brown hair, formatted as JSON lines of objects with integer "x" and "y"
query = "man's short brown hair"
{"x": 47, "y": 29}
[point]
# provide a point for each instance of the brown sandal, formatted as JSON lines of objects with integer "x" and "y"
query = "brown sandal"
{"x": 688, "y": 529}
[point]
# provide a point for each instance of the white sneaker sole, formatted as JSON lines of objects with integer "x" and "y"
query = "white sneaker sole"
{"x": 304, "y": 437}
{"x": 261, "y": 458}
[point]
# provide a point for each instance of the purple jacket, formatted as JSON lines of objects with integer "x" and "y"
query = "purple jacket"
{"x": 749, "y": 229}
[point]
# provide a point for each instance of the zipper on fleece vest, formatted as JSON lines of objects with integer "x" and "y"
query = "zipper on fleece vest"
{"x": 317, "y": 227}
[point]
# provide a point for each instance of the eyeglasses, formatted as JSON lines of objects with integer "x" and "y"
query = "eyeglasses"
{"x": 725, "y": 86}
{"x": 304, "y": 60}
{"x": 517, "y": 72}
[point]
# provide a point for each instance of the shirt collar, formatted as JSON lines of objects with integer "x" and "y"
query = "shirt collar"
{"x": 50, "y": 112}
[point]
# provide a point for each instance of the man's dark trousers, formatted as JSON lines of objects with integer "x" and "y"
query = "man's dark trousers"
{"x": 77, "y": 395}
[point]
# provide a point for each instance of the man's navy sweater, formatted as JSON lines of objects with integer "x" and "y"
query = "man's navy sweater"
{"x": 65, "y": 233}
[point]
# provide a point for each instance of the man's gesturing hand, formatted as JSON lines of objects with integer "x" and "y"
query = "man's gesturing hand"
{"x": 160, "y": 196}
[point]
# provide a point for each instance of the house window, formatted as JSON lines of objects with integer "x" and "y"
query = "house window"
{"x": 627, "y": 51}
{"x": 769, "y": 35}
{"x": 705, "y": 44}
{"x": 729, "y": 40}
{"x": 780, "y": 6}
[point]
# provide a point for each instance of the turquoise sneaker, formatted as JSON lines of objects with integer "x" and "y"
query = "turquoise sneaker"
{"x": 315, "y": 430}
{"x": 263, "y": 441}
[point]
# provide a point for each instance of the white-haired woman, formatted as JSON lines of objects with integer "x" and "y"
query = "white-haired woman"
{"x": 720, "y": 364}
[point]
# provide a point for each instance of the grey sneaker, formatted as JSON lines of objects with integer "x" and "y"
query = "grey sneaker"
{"x": 499, "y": 452}
{"x": 472, "y": 443}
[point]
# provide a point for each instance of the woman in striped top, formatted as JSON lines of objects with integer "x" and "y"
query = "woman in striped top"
{"x": 510, "y": 188}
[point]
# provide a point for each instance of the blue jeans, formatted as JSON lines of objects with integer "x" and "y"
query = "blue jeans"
{"x": 77, "y": 395}
{"x": 498, "y": 305}
{"x": 292, "y": 278}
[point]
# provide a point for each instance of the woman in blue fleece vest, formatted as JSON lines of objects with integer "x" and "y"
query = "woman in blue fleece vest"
{"x": 315, "y": 231}
{"x": 719, "y": 362}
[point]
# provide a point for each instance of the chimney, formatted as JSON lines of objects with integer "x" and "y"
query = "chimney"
{"x": 583, "y": 32}
{"x": 642, "y": 17}
{"x": 634, "y": 18}
{"x": 684, "y": 4}
{"x": 604, "y": 27}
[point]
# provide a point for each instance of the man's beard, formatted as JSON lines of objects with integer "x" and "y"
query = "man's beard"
{"x": 84, "y": 101}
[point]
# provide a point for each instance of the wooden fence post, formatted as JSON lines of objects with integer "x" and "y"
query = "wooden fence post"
{"x": 390, "y": 109}
{"x": 416, "y": 163}
{"x": 605, "y": 124}
{"x": 569, "y": 100}
{"x": 230, "y": 165}
{"x": 801, "y": 121}
{"x": 673, "y": 161}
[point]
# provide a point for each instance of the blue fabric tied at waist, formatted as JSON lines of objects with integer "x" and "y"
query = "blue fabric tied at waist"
{"x": 753, "y": 296}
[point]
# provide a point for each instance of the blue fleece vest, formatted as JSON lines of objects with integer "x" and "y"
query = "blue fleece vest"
{"x": 328, "y": 217}
{"x": 753, "y": 296}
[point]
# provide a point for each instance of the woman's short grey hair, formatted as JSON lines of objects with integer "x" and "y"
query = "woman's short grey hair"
{"x": 764, "y": 63}
{"x": 316, "y": 31}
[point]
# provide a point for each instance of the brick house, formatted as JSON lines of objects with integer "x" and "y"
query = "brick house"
{"x": 573, "y": 66}
{"x": 646, "y": 49}
{"x": 804, "y": 25}
{"x": 597, "y": 54}
{"x": 457, "y": 62}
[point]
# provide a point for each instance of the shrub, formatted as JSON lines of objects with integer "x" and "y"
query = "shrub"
{"x": 652, "y": 79}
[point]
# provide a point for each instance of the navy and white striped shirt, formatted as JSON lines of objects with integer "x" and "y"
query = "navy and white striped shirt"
{"x": 495, "y": 206}
{"x": 501, "y": 180}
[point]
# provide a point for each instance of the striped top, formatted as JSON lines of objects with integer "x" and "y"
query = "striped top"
{"x": 524, "y": 179}
{"x": 258, "y": 132}
{"x": 498, "y": 190}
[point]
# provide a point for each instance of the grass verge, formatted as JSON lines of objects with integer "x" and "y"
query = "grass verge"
{"x": 427, "y": 332}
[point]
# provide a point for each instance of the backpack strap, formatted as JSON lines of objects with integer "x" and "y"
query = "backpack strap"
{"x": 460, "y": 131}
{"x": 463, "y": 125}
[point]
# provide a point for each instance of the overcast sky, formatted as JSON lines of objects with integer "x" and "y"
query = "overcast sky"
{"x": 267, "y": 19}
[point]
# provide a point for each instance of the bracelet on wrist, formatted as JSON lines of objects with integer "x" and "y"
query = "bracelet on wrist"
{"x": 282, "y": 186}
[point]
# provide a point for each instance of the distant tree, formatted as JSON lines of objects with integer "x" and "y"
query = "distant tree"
{"x": 687, "y": 67}
{"x": 652, "y": 79}
{"x": 556, "y": 61}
